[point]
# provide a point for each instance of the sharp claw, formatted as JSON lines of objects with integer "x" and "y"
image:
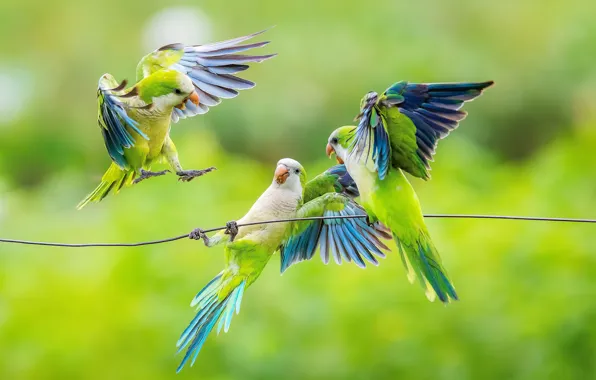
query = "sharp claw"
{"x": 148, "y": 174}
{"x": 196, "y": 234}
{"x": 199, "y": 234}
{"x": 231, "y": 229}
{"x": 189, "y": 175}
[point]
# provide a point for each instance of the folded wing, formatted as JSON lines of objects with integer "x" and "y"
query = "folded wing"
{"x": 113, "y": 119}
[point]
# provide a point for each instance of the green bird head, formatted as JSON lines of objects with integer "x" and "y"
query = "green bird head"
{"x": 339, "y": 142}
{"x": 166, "y": 89}
{"x": 290, "y": 175}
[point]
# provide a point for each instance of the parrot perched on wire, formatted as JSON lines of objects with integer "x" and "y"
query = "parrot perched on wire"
{"x": 173, "y": 82}
{"x": 398, "y": 132}
{"x": 249, "y": 248}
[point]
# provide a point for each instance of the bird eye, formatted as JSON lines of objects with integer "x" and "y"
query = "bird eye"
{"x": 177, "y": 91}
{"x": 297, "y": 171}
{"x": 334, "y": 140}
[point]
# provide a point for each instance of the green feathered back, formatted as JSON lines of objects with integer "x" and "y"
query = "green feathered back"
{"x": 402, "y": 136}
{"x": 402, "y": 127}
{"x": 334, "y": 180}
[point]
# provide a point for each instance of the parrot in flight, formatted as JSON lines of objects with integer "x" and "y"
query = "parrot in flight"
{"x": 398, "y": 132}
{"x": 173, "y": 82}
{"x": 249, "y": 248}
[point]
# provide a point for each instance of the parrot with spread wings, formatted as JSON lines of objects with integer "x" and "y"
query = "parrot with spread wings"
{"x": 173, "y": 82}
{"x": 398, "y": 132}
{"x": 249, "y": 248}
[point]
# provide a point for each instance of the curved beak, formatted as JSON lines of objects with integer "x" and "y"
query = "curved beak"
{"x": 329, "y": 150}
{"x": 194, "y": 97}
{"x": 281, "y": 174}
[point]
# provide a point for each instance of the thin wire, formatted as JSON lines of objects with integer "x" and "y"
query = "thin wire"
{"x": 180, "y": 237}
{"x": 510, "y": 217}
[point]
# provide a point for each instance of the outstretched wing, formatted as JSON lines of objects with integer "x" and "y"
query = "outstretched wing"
{"x": 404, "y": 125}
{"x": 211, "y": 68}
{"x": 344, "y": 239}
{"x": 113, "y": 118}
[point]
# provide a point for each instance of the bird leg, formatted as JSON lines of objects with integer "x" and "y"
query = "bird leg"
{"x": 170, "y": 153}
{"x": 231, "y": 229}
{"x": 189, "y": 175}
{"x": 148, "y": 174}
{"x": 199, "y": 234}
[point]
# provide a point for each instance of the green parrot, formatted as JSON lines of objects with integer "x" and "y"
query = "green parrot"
{"x": 173, "y": 82}
{"x": 249, "y": 248}
{"x": 398, "y": 132}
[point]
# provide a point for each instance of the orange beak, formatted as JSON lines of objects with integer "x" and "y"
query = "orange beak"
{"x": 194, "y": 97}
{"x": 329, "y": 150}
{"x": 281, "y": 174}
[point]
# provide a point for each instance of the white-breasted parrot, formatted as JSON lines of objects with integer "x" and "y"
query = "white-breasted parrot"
{"x": 249, "y": 248}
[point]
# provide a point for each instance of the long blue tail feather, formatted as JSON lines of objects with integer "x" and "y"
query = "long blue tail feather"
{"x": 423, "y": 261}
{"x": 211, "y": 308}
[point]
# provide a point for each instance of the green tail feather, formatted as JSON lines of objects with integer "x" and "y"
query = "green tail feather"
{"x": 112, "y": 181}
{"x": 422, "y": 260}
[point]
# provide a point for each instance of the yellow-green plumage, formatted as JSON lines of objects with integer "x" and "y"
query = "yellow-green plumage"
{"x": 250, "y": 251}
{"x": 112, "y": 181}
{"x": 157, "y": 60}
{"x": 245, "y": 261}
{"x": 393, "y": 202}
{"x": 403, "y": 143}
{"x": 153, "y": 121}
{"x": 173, "y": 82}
{"x": 398, "y": 131}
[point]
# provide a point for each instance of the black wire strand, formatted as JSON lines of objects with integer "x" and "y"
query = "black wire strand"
{"x": 180, "y": 237}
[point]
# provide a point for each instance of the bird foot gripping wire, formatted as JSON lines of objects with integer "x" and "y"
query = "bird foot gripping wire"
{"x": 189, "y": 175}
{"x": 200, "y": 234}
{"x": 231, "y": 229}
{"x": 148, "y": 174}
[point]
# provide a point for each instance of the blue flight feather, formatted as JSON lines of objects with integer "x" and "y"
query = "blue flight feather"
{"x": 113, "y": 121}
{"x": 433, "y": 108}
{"x": 230, "y": 50}
{"x": 212, "y": 67}
{"x": 362, "y": 244}
{"x": 218, "y": 91}
{"x": 346, "y": 239}
{"x": 221, "y": 80}
{"x": 429, "y": 274}
{"x": 211, "y": 309}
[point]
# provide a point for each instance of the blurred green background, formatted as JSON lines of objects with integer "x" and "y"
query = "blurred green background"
{"x": 528, "y": 290}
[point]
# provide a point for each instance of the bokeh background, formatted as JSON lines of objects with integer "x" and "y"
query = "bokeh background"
{"x": 528, "y": 289}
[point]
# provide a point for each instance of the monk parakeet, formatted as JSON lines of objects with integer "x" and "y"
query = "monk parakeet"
{"x": 250, "y": 247}
{"x": 173, "y": 82}
{"x": 398, "y": 131}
